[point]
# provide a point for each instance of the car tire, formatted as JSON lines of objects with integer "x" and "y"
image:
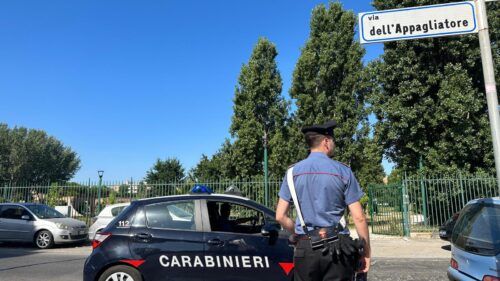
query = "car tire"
{"x": 120, "y": 273}
{"x": 44, "y": 239}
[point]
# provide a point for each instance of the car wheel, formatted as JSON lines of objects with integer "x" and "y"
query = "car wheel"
{"x": 44, "y": 239}
{"x": 120, "y": 273}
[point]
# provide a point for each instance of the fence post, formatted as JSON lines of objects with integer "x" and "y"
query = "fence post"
{"x": 370, "y": 201}
{"x": 461, "y": 190}
{"x": 405, "y": 199}
{"x": 424, "y": 199}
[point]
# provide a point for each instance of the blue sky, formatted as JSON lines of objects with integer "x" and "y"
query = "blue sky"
{"x": 126, "y": 82}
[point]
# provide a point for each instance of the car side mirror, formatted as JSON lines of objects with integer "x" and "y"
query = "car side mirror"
{"x": 25, "y": 217}
{"x": 270, "y": 230}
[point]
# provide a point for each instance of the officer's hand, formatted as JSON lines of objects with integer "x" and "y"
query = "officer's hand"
{"x": 293, "y": 239}
{"x": 365, "y": 264}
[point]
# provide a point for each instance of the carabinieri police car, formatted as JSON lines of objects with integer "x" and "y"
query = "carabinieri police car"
{"x": 200, "y": 236}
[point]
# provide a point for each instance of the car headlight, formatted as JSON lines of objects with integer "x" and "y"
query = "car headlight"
{"x": 63, "y": 226}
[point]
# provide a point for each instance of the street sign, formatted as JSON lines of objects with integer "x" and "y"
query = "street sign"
{"x": 418, "y": 22}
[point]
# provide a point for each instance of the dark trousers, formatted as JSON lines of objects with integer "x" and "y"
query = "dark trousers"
{"x": 313, "y": 265}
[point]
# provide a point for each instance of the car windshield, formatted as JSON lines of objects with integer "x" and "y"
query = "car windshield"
{"x": 477, "y": 230}
{"x": 44, "y": 212}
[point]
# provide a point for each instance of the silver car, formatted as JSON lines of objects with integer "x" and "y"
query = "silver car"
{"x": 475, "y": 240}
{"x": 105, "y": 216}
{"x": 40, "y": 224}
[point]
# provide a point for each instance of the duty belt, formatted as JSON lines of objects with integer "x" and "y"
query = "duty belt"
{"x": 322, "y": 236}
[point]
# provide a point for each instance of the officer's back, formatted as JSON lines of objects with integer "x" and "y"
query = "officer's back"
{"x": 325, "y": 188}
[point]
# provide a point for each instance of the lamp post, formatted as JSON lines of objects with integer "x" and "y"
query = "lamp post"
{"x": 100, "y": 173}
{"x": 266, "y": 183}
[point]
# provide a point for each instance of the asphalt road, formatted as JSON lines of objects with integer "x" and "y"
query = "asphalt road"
{"x": 25, "y": 263}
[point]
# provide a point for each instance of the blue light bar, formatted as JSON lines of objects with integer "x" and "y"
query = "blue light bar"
{"x": 201, "y": 189}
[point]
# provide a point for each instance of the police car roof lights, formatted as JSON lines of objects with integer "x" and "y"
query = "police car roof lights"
{"x": 197, "y": 189}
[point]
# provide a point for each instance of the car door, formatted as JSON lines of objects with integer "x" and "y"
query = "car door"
{"x": 238, "y": 248}
{"x": 13, "y": 226}
{"x": 170, "y": 242}
{"x": 3, "y": 230}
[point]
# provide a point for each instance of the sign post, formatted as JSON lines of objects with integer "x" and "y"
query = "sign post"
{"x": 441, "y": 20}
{"x": 489, "y": 81}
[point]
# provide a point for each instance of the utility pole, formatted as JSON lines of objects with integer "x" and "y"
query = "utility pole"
{"x": 490, "y": 84}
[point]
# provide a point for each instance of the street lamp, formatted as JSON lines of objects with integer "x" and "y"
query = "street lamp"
{"x": 266, "y": 183}
{"x": 100, "y": 173}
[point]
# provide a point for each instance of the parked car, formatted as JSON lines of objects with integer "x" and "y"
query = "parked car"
{"x": 192, "y": 237}
{"x": 475, "y": 242}
{"x": 446, "y": 229}
{"x": 105, "y": 216}
{"x": 40, "y": 224}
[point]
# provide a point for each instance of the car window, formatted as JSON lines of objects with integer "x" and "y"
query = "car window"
{"x": 171, "y": 215}
{"x": 477, "y": 230}
{"x": 13, "y": 212}
{"x": 117, "y": 210}
{"x": 232, "y": 217}
{"x": 45, "y": 212}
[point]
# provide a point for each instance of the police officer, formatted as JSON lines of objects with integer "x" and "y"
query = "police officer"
{"x": 324, "y": 189}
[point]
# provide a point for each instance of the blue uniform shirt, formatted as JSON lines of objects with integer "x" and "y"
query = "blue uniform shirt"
{"x": 324, "y": 188}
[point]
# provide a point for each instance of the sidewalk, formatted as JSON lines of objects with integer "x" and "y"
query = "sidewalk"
{"x": 410, "y": 248}
{"x": 384, "y": 246}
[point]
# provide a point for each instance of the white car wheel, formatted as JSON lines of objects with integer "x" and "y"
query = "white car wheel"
{"x": 120, "y": 273}
{"x": 120, "y": 276}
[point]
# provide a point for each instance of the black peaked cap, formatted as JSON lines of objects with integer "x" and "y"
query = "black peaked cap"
{"x": 323, "y": 129}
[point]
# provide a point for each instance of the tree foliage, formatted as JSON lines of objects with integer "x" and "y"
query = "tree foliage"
{"x": 168, "y": 170}
{"x": 329, "y": 83}
{"x": 32, "y": 156}
{"x": 258, "y": 109}
{"x": 219, "y": 166}
{"x": 428, "y": 96}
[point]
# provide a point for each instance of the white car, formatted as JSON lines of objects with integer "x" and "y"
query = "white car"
{"x": 105, "y": 216}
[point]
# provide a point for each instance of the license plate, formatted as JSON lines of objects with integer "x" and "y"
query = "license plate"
{"x": 442, "y": 232}
{"x": 81, "y": 232}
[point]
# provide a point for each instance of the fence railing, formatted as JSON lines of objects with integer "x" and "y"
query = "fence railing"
{"x": 84, "y": 200}
{"x": 422, "y": 203}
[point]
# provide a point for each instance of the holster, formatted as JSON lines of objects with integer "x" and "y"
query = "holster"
{"x": 330, "y": 241}
{"x": 321, "y": 237}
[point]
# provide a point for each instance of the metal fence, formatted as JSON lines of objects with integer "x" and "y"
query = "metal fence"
{"x": 421, "y": 203}
{"x": 84, "y": 200}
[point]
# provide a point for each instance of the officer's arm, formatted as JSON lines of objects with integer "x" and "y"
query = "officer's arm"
{"x": 359, "y": 218}
{"x": 282, "y": 216}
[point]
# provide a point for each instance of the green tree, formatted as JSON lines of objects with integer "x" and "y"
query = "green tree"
{"x": 429, "y": 99}
{"x": 206, "y": 170}
{"x": 168, "y": 170}
{"x": 258, "y": 109}
{"x": 329, "y": 83}
{"x": 220, "y": 165}
{"x": 124, "y": 189}
{"x": 31, "y": 156}
{"x": 54, "y": 195}
{"x": 112, "y": 197}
